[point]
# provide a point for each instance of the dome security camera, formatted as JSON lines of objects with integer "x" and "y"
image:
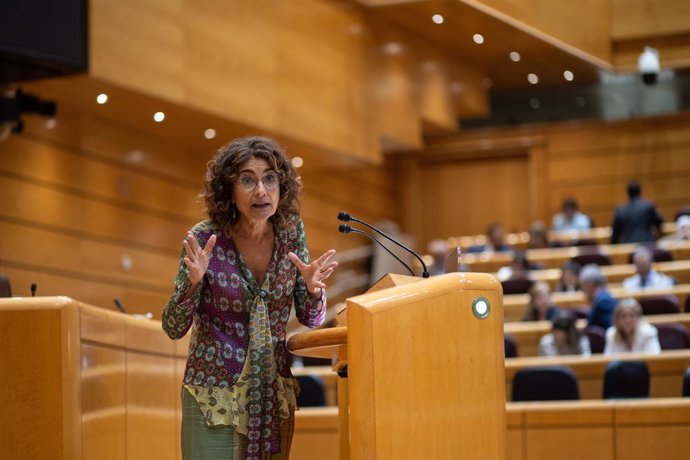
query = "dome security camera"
{"x": 648, "y": 65}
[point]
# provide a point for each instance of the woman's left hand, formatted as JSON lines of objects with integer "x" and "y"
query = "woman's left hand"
{"x": 315, "y": 272}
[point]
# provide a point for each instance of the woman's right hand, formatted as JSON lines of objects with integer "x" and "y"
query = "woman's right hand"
{"x": 196, "y": 258}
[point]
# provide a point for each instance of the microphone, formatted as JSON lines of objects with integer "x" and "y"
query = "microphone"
{"x": 342, "y": 228}
{"x": 33, "y": 289}
{"x": 118, "y": 304}
{"x": 345, "y": 217}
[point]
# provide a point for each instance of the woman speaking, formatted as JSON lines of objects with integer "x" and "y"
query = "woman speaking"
{"x": 239, "y": 275}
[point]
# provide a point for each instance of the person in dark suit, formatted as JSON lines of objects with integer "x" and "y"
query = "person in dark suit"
{"x": 633, "y": 221}
{"x": 593, "y": 284}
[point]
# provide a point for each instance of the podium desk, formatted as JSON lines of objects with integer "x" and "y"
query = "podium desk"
{"x": 83, "y": 382}
{"x": 421, "y": 368}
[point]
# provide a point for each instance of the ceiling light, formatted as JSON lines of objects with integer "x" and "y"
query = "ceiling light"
{"x": 102, "y": 98}
{"x": 51, "y": 123}
{"x": 515, "y": 56}
{"x": 478, "y": 38}
{"x": 437, "y": 18}
{"x": 532, "y": 78}
{"x": 581, "y": 101}
{"x": 568, "y": 75}
{"x": 297, "y": 162}
{"x": 210, "y": 133}
{"x": 158, "y": 117}
{"x": 392, "y": 48}
{"x": 456, "y": 87}
{"x": 534, "y": 103}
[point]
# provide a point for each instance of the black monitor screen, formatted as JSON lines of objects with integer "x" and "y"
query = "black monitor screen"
{"x": 43, "y": 37}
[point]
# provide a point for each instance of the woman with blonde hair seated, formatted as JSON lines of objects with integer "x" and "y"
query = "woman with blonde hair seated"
{"x": 631, "y": 333}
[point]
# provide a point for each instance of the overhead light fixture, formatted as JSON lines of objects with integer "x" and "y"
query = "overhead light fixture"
{"x": 392, "y": 48}
{"x": 438, "y": 19}
{"x": 534, "y": 103}
{"x": 210, "y": 133}
{"x": 158, "y": 117}
{"x": 515, "y": 56}
{"x": 478, "y": 39}
{"x": 533, "y": 78}
{"x": 297, "y": 162}
{"x": 568, "y": 75}
{"x": 102, "y": 98}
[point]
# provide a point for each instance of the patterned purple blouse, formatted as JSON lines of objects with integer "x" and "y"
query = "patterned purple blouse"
{"x": 221, "y": 308}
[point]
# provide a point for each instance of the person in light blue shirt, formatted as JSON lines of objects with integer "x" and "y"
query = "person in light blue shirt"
{"x": 570, "y": 219}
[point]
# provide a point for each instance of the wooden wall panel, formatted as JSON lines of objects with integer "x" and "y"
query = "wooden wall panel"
{"x": 77, "y": 200}
{"x": 592, "y": 162}
{"x": 648, "y": 18}
{"x": 464, "y": 197}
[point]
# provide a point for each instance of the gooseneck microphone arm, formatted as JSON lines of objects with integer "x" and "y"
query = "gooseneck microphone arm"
{"x": 342, "y": 228}
{"x": 345, "y": 217}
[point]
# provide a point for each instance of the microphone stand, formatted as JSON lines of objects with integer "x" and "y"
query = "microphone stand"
{"x": 345, "y": 217}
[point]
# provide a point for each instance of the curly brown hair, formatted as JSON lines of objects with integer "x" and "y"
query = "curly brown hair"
{"x": 223, "y": 170}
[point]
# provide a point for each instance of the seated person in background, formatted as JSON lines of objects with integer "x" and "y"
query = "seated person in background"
{"x": 540, "y": 307}
{"x": 517, "y": 270}
{"x": 646, "y": 277}
{"x": 495, "y": 240}
{"x": 593, "y": 284}
{"x": 570, "y": 277}
{"x": 564, "y": 338}
{"x": 682, "y": 231}
{"x": 629, "y": 332}
{"x": 570, "y": 219}
{"x": 538, "y": 236}
{"x": 633, "y": 222}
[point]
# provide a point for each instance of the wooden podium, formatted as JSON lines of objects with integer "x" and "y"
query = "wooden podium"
{"x": 425, "y": 369}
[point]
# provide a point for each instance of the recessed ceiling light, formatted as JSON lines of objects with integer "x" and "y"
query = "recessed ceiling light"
{"x": 297, "y": 162}
{"x": 478, "y": 39}
{"x": 158, "y": 117}
{"x": 568, "y": 75}
{"x": 534, "y": 103}
{"x": 102, "y": 98}
{"x": 515, "y": 56}
{"x": 437, "y": 18}
{"x": 355, "y": 29}
{"x": 392, "y": 48}
{"x": 51, "y": 123}
{"x": 456, "y": 87}
{"x": 210, "y": 133}
{"x": 532, "y": 78}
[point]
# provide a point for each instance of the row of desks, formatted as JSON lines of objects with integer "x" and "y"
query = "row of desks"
{"x": 564, "y": 430}
{"x": 528, "y": 333}
{"x": 520, "y": 240}
{"x": 515, "y": 305}
{"x": 490, "y": 262}
{"x": 666, "y": 372}
{"x": 615, "y": 274}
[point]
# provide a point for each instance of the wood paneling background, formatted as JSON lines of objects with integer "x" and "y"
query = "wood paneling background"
{"x": 467, "y": 181}
{"x": 79, "y": 218}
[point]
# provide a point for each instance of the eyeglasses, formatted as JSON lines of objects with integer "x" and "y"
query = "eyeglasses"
{"x": 248, "y": 182}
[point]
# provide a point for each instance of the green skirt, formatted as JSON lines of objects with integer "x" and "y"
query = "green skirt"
{"x": 222, "y": 442}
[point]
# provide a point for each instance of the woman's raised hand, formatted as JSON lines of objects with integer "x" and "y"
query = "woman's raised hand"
{"x": 196, "y": 258}
{"x": 315, "y": 272}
